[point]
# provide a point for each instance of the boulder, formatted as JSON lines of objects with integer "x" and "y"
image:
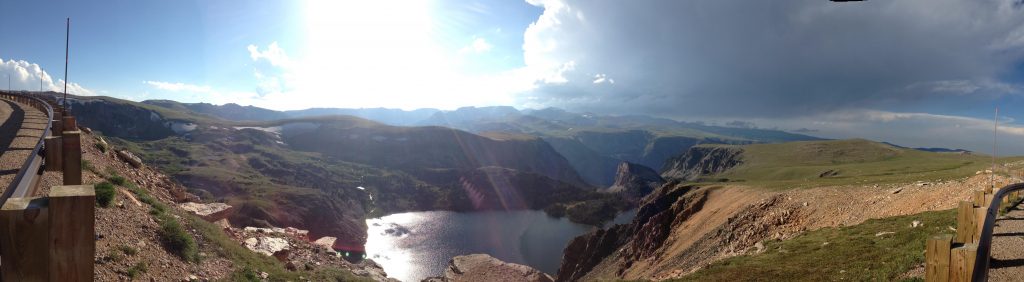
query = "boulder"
{"x": 267, "y": 245}
{"x": 210, "y": 212}
{"x": 325, "y": 242}
{"x": 482, "y": 267}
{"x": 130, "y": 158}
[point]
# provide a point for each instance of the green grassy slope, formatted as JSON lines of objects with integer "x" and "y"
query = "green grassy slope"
{"x": 854, "y": 253}
{"x": 839, "y": 162}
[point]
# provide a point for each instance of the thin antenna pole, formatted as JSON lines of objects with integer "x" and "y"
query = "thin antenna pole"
{"x": 67, "y": 45}
{"x": 995, "y": 129}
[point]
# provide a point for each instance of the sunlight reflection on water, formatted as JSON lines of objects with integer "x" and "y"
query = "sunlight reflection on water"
{"x": 412, "y": 246}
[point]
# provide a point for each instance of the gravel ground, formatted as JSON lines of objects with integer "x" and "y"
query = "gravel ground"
{"x": 1007, "y": 262}
{"x": 19, "y": 134}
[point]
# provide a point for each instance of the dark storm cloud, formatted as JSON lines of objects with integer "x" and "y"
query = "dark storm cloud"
{"x": 770, "y": 58}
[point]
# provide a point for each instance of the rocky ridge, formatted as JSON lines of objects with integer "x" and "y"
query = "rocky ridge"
{"x": 701, "y": 161}
{"x": 635, "y": 181}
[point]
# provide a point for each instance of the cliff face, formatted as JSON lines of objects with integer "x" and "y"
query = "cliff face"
{"x": 635, "y": 181}
{"x": 679, "y": 229}
{"x": 701, "y": 161}
{"x": 641, "y": 236}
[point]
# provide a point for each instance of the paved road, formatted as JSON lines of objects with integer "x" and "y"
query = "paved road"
{"x": 1007, "y": 262}
{"x": 19, "y": 132}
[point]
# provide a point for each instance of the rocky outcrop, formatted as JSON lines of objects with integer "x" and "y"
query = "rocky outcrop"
{"x": 482, "y": 267}
{"x": 129, "y": 158}
{"x": 634, "y": 181}
{"x": 679, "y": 229}
{"x": 644, "y": 234}
{"x": 701, "y": 161}
{"x": 210, "y": 212}
{"x": 266, "y": 245}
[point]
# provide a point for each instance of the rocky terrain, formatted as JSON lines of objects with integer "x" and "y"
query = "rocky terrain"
{"x": 482, "y": 267}
{"x": 327, "y": 174}
{"x": 634, "y": 181}
{"x": 702, "y": 160}
{"x": 681, "y": 228}
{"x": 135, "y": 242}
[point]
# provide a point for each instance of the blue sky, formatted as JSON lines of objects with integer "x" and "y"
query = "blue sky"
{"x": 900, "y": 71}
{"x": 118, "y": 46}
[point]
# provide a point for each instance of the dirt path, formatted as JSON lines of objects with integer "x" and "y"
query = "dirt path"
{"x": 1007, "y": 262}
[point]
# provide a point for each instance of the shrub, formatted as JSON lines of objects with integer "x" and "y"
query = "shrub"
{"x": 101, "y": 146}
{"x": 105, "y": 193}
{"x": 128, "y": 250}
{"x": 117, "y": 180}
{"x": 137, "y": 269}
{"x": 179, "y": 241}
{"x": 112, "y": 257}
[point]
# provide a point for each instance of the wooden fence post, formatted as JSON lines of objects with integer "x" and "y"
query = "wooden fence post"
{"x": 961, "y": 262}
{"x": 24, "y": 231}
{"x": 53, "y": 148}
{"x": 937, "y": 258}
{"x": 72, "y": 230}
{"x": 71, "y": 152}
{"x": 979, "y": 222}
{"x": 55, "y": 126}
{"x": 979, "y": 198}
{"x": 965, "y": 226}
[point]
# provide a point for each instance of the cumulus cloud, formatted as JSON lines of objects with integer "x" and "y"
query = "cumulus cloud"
{"x": 178, "y": 86}
{"x": 735, "y": 58}
{"x": 273, "y": 54}
{"x": 30, "y": 76}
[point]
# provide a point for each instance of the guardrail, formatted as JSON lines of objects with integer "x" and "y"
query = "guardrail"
{"x": 25, "y": 181}
{"x": 965, "y": 256}
{"x": 49, "y": 237}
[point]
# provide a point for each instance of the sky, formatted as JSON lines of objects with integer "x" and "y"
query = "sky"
{"x": 922, "y": 73}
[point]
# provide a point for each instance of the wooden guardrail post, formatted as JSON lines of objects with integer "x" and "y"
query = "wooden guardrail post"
{"x": 961, "y": 262}
{"x": 979, "y": 198}
{"x": 24, "y": 234}
{"x": 72, "y": 230}
{"x": 53, "y": 153}
{"x": 71, "y": 152}
{"x": 937, "y": 258}
{"x": 55, "y": 126}
{"x": 979, "y": 221}
{"x": 965, "y": 224}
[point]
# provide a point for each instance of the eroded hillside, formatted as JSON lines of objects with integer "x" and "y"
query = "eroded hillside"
{"x": 684, "y": 227}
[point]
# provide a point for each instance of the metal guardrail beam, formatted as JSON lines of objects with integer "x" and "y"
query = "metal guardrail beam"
{"x": 985, "y": 242}
{"x": 25, "y": 181}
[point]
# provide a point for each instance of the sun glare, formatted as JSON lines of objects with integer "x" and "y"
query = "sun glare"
{"x": 371, "y": 53}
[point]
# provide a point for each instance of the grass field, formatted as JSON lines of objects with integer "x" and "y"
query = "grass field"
{"x": 843, "y": 162}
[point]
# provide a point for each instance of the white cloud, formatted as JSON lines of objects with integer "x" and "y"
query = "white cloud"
{"x": 30, "y": 76}
{"x": 603, "y": 78}
{"x": 273, "y": 54}
{"x": 478, "y": 46}
{"x": 178, "y": 86}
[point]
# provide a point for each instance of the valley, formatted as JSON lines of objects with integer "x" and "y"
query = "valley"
{"x": 703, "y": 200}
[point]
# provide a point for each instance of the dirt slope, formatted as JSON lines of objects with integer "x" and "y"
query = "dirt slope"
{"x": 678, "y": 233}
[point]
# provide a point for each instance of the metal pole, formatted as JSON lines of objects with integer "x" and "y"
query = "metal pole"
{"x": 67, "y": 44}
{"x": 995, "y": 129}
